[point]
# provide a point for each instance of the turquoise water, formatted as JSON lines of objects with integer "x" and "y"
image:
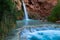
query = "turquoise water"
{"x": 26, "y": 28}
{"x": 44, "y": 35}
{"x": 31, "y": 23}
{"x": 40, "y": 33}
{"x": 38, "y": 30}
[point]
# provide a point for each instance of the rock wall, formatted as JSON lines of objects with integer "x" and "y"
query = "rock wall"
{"x": 18, "y": 4}
{"x": 39, "y": 9}
{"x": 18, "y": 8}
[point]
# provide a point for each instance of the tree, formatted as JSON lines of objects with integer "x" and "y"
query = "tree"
{"x": 7, "y": 17}
{"x": 55, "y": 13}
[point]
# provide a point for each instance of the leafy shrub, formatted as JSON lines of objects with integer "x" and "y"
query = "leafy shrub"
{"x": 55, "y": 14}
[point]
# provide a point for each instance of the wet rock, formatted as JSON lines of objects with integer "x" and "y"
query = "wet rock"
{"x": 58, "y": 21}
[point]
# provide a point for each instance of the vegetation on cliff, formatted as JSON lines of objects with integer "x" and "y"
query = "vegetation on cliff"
{"x": 55, "y": 14}
{"x": 8, "y": 17}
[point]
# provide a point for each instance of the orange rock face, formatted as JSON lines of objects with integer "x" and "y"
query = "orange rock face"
{"x": 18, "y": 4}
{"x": 39, "y": 9}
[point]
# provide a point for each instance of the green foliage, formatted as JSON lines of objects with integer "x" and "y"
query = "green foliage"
{"x": 7, "y": 16}
{"x": 6, "y": 5}
{"x": 52, "y": 19}
{"x": 55, "y": 14}
{"x": 19, "y": 14}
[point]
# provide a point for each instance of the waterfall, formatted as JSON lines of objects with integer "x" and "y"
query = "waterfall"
{"x": 25, "y": 11}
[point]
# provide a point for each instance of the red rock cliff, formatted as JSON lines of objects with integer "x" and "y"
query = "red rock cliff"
{"x": 39, "y": 9}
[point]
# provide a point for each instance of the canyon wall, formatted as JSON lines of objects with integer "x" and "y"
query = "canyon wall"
{"x": 39, "y": 9}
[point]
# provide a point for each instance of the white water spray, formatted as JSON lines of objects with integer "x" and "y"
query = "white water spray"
{"x": 25, "y": 11}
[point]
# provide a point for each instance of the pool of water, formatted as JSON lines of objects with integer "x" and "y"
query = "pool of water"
{"x": 43, "y": 35}
{"x": 40, "y": 33}
{"x": 29, "y": 30}
{"x": 26, "y": 28}
{"x": 26, "y": 23}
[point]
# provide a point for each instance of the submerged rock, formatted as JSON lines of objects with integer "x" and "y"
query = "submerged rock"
{"x": 58, "y": 21}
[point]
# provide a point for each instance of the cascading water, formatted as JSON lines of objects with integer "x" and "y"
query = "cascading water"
{"x": 40, "y": 33}
{"x": 25, "y": 10}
